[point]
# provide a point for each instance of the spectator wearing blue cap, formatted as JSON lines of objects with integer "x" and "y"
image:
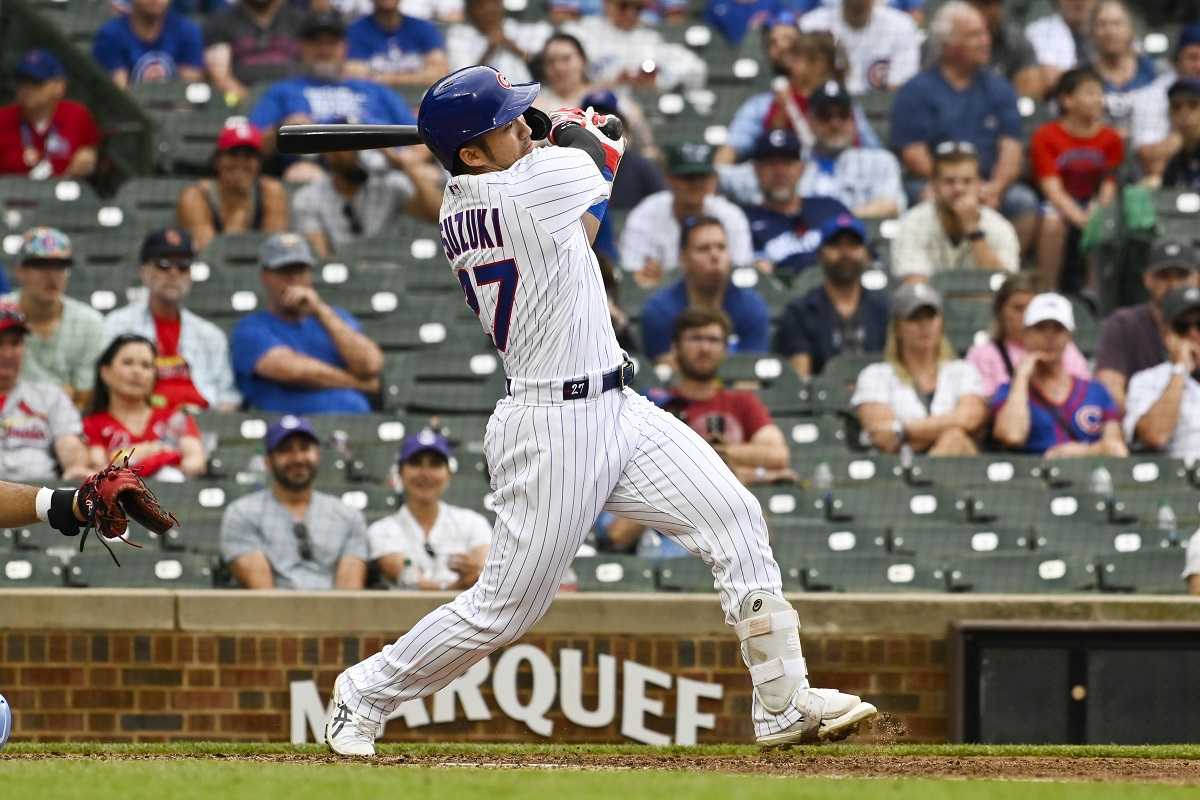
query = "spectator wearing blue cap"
{"x": 289, "y": 536}
{"x": 43, "y": 134}
{"x": 839, "y": 316}
{"x": 66, "y": 335}
{"x": 300, "y": 355}
{"x": 1183, "y": 170}
{"x": 394, "y": 49}
{"x": 1153, "y": 135}
{"x": 489, "y": 36}
{"x": 150, "y": 43}
{"x": 785, "y": 227}
{"x": 428, "y": 543}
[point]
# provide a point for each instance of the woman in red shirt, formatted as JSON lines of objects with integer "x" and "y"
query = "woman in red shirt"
{"x": 124, "y": 416}
{"x": 1075, "y": 159}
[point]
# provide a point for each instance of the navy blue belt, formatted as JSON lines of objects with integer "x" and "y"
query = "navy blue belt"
{"x": 577, "y": 389}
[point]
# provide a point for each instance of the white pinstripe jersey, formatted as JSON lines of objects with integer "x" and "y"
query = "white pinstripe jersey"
{"x": 516, "y": 243}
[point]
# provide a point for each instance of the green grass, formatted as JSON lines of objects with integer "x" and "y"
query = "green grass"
{"x": 206, "y": 780}
{"x": 185, "y": 749}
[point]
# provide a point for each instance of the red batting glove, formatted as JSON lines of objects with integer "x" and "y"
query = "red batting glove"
{"x": 563, "y": 118}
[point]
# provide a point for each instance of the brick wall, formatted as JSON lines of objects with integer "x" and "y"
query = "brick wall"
{"x": 128, "y": 686}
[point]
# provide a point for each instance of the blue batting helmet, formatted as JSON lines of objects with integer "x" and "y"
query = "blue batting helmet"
{"x": 470, "y": 102}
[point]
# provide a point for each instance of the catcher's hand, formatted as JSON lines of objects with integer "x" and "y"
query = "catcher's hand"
{"x": 113, "y": 496}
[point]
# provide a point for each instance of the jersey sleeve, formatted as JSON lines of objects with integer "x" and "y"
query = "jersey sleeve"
{"x": 556, "y": 185}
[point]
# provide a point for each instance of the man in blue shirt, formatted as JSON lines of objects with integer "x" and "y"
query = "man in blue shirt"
{"x": 299, "y": 355}
{"x": 395, "y": 49}
{"x": 959, "y": 99}
{"x": 704, "y": 261}
{"x": 839, "y": 316}
{"x": 321, "y": 95}
{"x": 150, "y": 43}
{"x": 785, "y": 228}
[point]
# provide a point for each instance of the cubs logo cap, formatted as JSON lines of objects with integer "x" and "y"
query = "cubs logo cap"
{"x": 426, "y": 440}
{"x": 286, "y": 426}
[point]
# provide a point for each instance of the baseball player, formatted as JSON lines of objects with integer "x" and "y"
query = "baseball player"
{"x": 570, "y": 439}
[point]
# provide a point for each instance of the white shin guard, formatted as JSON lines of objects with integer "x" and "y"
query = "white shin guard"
{"x": 769, "y": 632}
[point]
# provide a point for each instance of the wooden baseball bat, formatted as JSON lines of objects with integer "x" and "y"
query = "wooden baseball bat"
{"x": 302, "y": 139}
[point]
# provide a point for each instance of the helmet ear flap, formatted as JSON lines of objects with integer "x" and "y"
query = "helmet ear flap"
{"x": 538, "y": 121}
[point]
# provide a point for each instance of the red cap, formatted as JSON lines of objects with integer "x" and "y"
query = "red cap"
{"x": 11, "y": 317}
{"x": 241, "y": 134}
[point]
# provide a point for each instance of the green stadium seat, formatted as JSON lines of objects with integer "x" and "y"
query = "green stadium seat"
{"x": 1088, "y": 541}
{"x": 987, "y": 469}
{"x": 162, "y": 99}
{"x": 110, "y": 250}
{"x": 229, "y": 252}
{"x": 152, "y": 200}
{"x": 871, "y": 573}
{"x": 967, "y": 321}
{"x": 843, "y": 370}
{"x": 202, "y": 537}
{"x": 784, "y": 500}
{"x": 788, "y": 395}
{"x": 188, "y": 140}
{"x": 753, "y": 368}
{"x": 1027, "y": 573}
{"x": 852, "y": 468}
{"x": 685, "y": 575}
{"x": 807, "y": 436}
{"x": 609, "y": 572}
{"x": 1139, "y": 472}
{"x": 795, "y": 541}
{"x": 470, "y": 489}
{"x": 1147, "y": 572}
{"x": 1024, "y": 505}
{"x": 70, "y": 218}
{"x": 140, "y": 569}
{"x": 932, "y": 541}
{"x": 30, "y": 569}
{"x": 886, "y": 503}
{"x": 199, "y": 500}
{"x": 971, "y": 284}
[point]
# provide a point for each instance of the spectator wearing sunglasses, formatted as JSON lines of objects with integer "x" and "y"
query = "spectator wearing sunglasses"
{"x": 954, "y": 229}
{"x": 192, "y": 362}
{"x": 240, "y": 198}
{"x": 350, "y": 203}
{"x": 1163, "y": 409}
{"x": 289, "y": 536}
{"x": 298, "y": 354}
{"x": 429, "y": 544}
{"x": 125, "y": 420}
{"x": 65, "y": 335}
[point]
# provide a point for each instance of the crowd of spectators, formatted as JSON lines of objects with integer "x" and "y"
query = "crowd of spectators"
{"x": 960, "y": 178}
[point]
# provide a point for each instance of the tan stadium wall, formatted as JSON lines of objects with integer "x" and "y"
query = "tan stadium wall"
{"x": 130, "y": 665}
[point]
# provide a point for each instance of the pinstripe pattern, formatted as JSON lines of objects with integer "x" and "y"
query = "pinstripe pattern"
{"x": 556, "y": 465}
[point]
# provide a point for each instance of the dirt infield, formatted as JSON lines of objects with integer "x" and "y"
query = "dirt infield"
{"x": 850, "y": 765}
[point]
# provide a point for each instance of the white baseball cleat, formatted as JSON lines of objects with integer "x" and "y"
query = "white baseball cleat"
{"x": 837, "y": 716}
{"x": 348, "y": 733}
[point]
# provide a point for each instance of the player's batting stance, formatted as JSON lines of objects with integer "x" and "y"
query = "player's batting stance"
{"x": 570, "y": 440}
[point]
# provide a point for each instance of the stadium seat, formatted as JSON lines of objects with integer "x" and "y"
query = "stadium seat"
{"x": 794, "y": 541}
{"x": 972, "y": 285}
{"x": 188, "y": 140}
{"x": 933, "y": 541}
{"x": 752, "y": 369}
{"x": 200, "y": 536}
{"x": 844, "y": 369}
{"x": 871, "y": 573}
{"x": 887, "y": 503}
{"x": 987, "y": 469}
{"x": 967, "y": 321}
{"x": 1087, "y": 541}
{"x": 610, "y": 572}
{"x": 470, "y": 490}
{"x": 199, "y": 500}
{"x": 808, "y": 435}
{"x": 152, "y": 200}
{"x": 140, "y": 569}
{"x": 30, "y": 569}
{"x": 1036, "y": 572}
{"x": 685, "y": 575}
{"x": 12, "y": 539}
{"x": 1147, "y": 572}
{"x": 229, "y": 252}
{"x": 1139, "y": 471}
{"x": 112, "y": 249}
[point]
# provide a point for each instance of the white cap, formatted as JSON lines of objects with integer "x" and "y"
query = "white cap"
{"x": 1050, "y": 306}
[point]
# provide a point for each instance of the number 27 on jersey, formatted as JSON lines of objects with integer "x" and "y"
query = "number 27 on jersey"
{"x": 505, "y": 274}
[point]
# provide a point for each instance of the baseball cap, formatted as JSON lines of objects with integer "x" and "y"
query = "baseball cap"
{"x": 1184, "y": 86}
{"x": 39, "y": 66}
{"x": 829, "y": 95}
{"x": 46, "y": 244}
{"x": 318, "y": 22}
{"x": 602, "y": 101}
{"x": 285, "y": 250}
{"x": 241, "y": 134}
{"x": 1178, "y": 302}
{"x": 1171, "y": 254}
{"x": 912, "y": 297}
{"x": 11, "y": 317}
{"x": 842, "y": 223}
{"x": 1188, "y": 35}
{"x": 420, "y": 442}
{"x": 690, "y": 158}
{"x": 778, "y": 143}
{"x": 1050, "y": 306}
{"x": 289, "y": 425}
{"x": 166, "y": 242}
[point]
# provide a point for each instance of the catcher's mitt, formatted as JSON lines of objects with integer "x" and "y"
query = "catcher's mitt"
{"x": 113, "y": 496}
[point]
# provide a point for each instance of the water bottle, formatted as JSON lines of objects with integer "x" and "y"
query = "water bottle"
{"x": 1167, "y": 523}
{"x": 650, "y": 545}
{"x": 906, "y": 457}
{"x": 1101, "y": 483}
{"x": 823, "y": 477}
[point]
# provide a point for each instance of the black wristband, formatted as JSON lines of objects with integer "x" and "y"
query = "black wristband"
{"x": 61, "y": 515}
{"x": 976, "y": 235}
{"x": 581, "y": 138}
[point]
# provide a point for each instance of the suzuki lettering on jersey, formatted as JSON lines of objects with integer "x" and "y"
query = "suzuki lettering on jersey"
{"x": 473, "y": 229}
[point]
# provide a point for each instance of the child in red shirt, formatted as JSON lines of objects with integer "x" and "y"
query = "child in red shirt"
{"x": 43, "y": 135}
{"x": 122, "y": 417}
{"x": 1075, "y": 159}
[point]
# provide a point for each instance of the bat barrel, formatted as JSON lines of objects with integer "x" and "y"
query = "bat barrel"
{"x": 308, "y": 139}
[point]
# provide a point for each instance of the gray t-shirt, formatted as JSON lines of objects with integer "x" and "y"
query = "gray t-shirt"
{"x": 260, "y": 523}
{"x": 68, "y": 357}
{"x": 318, "y": 208}
{"x": 1130, "y": 341}
{"x": 32, "y": 418}
{"x": 257, "y": 55}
